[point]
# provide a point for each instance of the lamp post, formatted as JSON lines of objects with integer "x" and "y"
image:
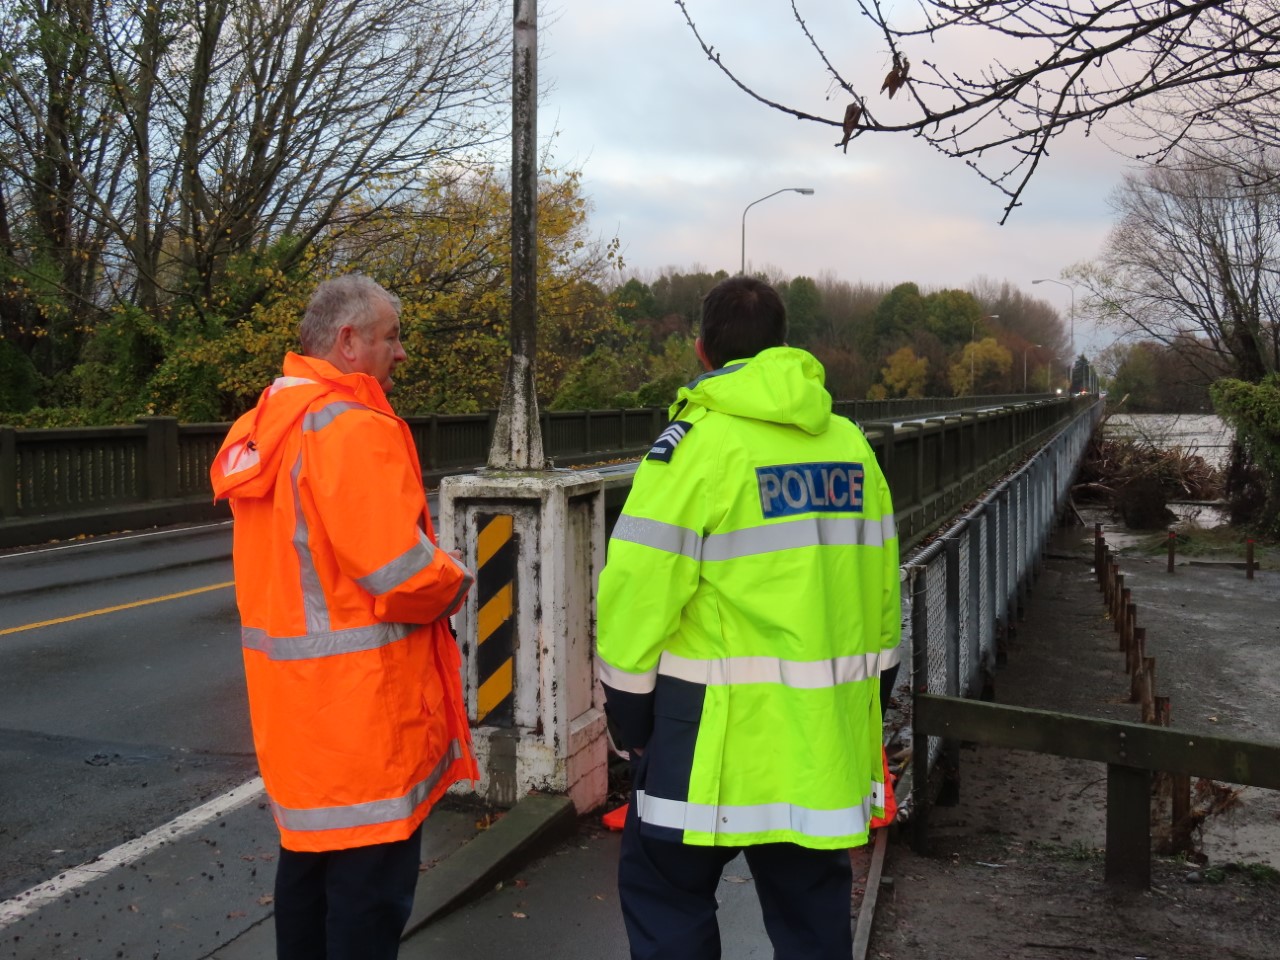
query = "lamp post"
{"x": 1073, "y": 309}
{"x": 807, "y": 191}
{"x": 1034, "y": 346}
{"x": 973, "y": 382}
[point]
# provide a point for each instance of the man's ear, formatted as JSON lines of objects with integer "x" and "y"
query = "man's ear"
{"x": 344, "y": 343}
{"x": 701, "y": 351}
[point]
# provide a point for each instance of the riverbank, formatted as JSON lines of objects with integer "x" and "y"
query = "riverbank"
{"x": 1015, "y": 868}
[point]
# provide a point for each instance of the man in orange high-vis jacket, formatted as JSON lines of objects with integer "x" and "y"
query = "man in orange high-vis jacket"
{"x": 353, "y": 672}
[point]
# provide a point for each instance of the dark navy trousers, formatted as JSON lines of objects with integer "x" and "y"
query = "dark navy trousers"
{"x": 668, "y": 893}
{"x": 345, "y": 904}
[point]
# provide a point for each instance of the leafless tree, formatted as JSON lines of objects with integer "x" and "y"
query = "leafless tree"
{"x": 1010, "y": 75}
{"x": 1194, "y": 252}
{"x": 59, "y": 170}
{"x": 189, "y": 141}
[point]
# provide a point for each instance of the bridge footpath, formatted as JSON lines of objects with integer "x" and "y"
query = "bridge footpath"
{"x": 1007, "y": 468}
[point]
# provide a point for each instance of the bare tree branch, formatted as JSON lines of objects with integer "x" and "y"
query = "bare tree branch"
{"x": 1207, "y": 67}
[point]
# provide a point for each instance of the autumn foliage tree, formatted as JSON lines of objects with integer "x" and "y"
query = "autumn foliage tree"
{"x": 981, "y": 367}
{"x": 448, "y": 259}
{"x": 904, "y": 374}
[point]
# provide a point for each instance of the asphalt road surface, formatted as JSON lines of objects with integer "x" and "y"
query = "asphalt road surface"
{"x": 122, "y": 700}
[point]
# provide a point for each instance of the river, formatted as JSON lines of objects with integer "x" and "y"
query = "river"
{"x": 1198, "y": 433}
{"x": 1202, "y": 434}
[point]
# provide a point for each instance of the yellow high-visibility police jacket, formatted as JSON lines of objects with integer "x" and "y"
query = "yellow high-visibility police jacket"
{"x": 749, "y": 602}
{"x": 355, "y": 689}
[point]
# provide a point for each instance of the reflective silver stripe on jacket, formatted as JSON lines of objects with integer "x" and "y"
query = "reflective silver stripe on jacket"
{"x": 372, "y": 812}
{"x": 319, "y": 419}
{"x": 753, "y": 541}
{"x": 328, "y": 643}
{"x": 314, "y": 605}
{"x": 624, "y": 681}
{"x": 797, "y": 674}
{"x": 315, "y": 609}
{"x": 281, "y": 383}
{"x": 410, "y": 563}
{"x": 890, "y": 658}
{"x": 758, "y": 818}
{"x": 468, "y": 578}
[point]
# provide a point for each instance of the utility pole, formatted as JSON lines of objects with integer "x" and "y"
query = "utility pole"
{"x": 517, "y": 435}
{"x": 535, "y": 539}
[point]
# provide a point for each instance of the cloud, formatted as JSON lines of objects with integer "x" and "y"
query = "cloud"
{"x": 672, "y": 153}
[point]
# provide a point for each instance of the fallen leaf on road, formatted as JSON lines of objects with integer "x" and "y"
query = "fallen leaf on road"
{"x": 266, "y": 899}
{"x": 519, "y": 916}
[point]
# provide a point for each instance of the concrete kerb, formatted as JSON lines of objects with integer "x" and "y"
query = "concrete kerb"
{"x": 33, "y": 531}
{"x": 526, "y": 831}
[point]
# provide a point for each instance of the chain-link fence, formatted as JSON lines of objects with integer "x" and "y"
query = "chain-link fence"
{"x": 963, "y": 590}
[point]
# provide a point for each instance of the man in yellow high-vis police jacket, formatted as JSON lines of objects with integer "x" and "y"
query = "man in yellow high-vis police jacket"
{"x": 748, "y": 615}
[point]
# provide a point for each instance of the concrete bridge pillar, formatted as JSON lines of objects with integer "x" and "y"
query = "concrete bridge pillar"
{"x": 536, "y": 543}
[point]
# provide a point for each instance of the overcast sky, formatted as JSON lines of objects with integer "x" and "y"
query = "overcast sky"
{"x": 672, "y": 153}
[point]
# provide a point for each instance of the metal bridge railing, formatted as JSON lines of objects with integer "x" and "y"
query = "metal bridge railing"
{"x": 962, "y": 591}
{"x": 57, "y": 483}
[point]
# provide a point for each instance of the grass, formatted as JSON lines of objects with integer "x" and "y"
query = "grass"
{"x": 1255, "y": 874}
{"x": 1076, "y": 851}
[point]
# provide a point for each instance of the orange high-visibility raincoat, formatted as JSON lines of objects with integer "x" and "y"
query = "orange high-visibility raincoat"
{"x": 355, "y": 690}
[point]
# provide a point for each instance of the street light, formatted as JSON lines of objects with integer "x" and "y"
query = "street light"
{"x": 1073, "y": 310}
{"x": 807, "y": 191}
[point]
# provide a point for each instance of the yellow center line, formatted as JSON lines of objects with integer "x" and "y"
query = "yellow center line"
{"x": 122, "y": 606}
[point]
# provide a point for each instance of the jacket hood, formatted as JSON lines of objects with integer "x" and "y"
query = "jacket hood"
{"x": 779, "y": 385}
{"x": 248, "y": 462}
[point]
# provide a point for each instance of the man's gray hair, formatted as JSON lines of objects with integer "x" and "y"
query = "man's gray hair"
{"x": 349, "y": 299}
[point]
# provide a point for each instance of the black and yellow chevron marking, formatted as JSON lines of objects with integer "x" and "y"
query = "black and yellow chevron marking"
{"x": 496, "y": 552}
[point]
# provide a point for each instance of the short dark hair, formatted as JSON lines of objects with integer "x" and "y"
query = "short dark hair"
{"x": 740, "y": 317}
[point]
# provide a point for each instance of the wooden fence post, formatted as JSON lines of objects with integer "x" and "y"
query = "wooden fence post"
{"x": 1139, "y": 657}
{"x": 9, "y": 471}
{"x": 161, "y": 469}
{"x": 1148, "y": 688}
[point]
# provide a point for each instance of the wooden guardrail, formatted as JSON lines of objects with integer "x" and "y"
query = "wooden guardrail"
{"x": 1133, "y": 752}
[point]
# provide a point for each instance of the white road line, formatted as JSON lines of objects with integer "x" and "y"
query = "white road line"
{"x": 29, "y": 901}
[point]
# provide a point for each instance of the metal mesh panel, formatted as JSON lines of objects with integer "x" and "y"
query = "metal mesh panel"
{"x": 937, "y": 637}
{"x": 986, "y": 611}
{"x": 1017, "y": 529}
{"x": 966, "y": 626}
